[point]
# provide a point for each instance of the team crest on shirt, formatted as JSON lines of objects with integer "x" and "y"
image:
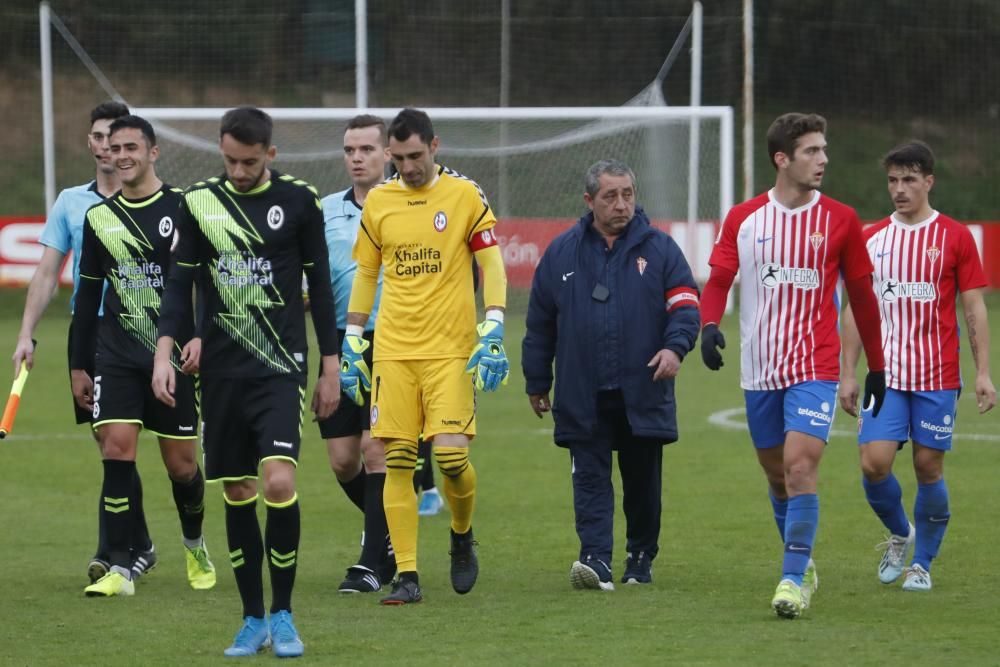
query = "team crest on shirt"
{"x": 641, "y": 263}
{"x": 816, "y": 238}
{"x": 167, "y": 226}
{"x": 440, "y": 221}
{"x": 932, "y": 253}
{"x": 275, "y": 217}
{"x": 374, "y": 415}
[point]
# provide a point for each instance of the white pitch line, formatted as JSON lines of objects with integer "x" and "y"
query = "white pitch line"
{"x": 18, "y": 437}
{"x": 734, "y": 419}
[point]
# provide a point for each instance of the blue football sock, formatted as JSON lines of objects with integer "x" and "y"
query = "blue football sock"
{"x": 800, "y": 535}
{"x": 780, "y": 506}
{"x": 886, "y": 500}
{"x": 930, "y": 511}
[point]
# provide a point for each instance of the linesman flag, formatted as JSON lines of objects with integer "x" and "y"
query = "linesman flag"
{"x": 10, "y": 410}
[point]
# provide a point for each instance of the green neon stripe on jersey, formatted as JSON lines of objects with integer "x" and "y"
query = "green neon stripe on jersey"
{"x": 255, "y": 191}
{"x": 233, "y": 235}
{"x": 129, "y": 246}
{"x": 140, "y": 204}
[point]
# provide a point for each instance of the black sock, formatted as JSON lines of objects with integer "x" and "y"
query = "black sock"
{"x": 140, "y": 531}
{"x": 102, "y": 528}
{"x": 355, "y": 489}
{"x": 118, "y": 507}
{"x": 376, "y": 527}
{"x": 426, "y": 475}
{"x": 246, "y": 553}
{"x": 423, "y": 462}
{"x": 189, "y": 497}
{"x": 409, "y": 576}
{"x": 282, "y": 542}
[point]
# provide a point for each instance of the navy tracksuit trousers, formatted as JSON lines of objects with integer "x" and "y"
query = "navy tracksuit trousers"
{"x": 640, "y": 462}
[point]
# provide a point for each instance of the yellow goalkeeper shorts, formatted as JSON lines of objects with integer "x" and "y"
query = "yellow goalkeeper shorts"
{"x": 427, "y": 396}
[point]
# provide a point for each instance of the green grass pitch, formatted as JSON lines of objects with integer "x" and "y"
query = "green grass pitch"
{"x": 713, "y": 580}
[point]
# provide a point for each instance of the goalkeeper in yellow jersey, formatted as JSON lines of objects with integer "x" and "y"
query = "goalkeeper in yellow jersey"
{"x": 422, "y": 227}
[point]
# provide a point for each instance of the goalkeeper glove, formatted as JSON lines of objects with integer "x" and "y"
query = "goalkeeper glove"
{"x": 354, "y": 374}
{"x": 712, "y": 341}
{"x": 874, "y": 392}
{"x": 488, "y": 362}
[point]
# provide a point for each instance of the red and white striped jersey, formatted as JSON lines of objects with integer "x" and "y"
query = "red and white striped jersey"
{"x": 789, "y": 263}
{"x": 919, "y": 271}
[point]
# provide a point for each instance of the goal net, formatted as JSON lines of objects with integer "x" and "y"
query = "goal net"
{"x": 529, "y": 161}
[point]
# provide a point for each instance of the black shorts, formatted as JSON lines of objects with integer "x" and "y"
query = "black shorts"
{"x": 349, "y": 418}
{"x": 248, "y": 420}
{"x": 83, "y": 416}
{"x": 125, "y": 395}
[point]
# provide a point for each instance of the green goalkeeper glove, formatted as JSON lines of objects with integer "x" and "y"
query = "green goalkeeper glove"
{"x": 354, "y": 374}
{"x": 488, "y": 363}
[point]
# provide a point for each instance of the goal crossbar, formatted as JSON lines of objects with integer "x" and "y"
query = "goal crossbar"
{"x": 724, "y": 115}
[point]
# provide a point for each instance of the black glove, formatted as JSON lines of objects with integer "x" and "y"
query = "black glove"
{"x": 712, "y": 341}
{"x": 874, "y": 391}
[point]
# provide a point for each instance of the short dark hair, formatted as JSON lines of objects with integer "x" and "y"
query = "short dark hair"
{"x": 135, "y": 122}
{"x": 786, "y": 129}
{"x": 108, "y": 111}
{"x": 247, "y": 125}
{"x": 913, "y": 154}
{"x": 409, "y": 122}
{"x": 368, "y": 120}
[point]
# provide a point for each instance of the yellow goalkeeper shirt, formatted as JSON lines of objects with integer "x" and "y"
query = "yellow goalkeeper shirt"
{"x": 424, "y": 238}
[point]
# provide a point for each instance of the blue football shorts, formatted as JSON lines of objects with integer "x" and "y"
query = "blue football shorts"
{"x": 806, "y": 407}
{"x": 926, "y": 417}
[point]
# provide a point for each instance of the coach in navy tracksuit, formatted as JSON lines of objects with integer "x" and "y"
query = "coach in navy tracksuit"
{"x": 614, "y": 303}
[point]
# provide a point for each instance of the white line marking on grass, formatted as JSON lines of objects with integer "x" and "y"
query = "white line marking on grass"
{"x": 16, "y": 437}
{"x": 734, "y": 419}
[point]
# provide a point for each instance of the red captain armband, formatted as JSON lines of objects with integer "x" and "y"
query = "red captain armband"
{"x": 681, "y": 296}
{"x": 483, "y": 239}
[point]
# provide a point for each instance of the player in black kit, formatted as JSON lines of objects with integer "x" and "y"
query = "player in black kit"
{"x": 249, "y": 235}
{"x": 126, "y": 246}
